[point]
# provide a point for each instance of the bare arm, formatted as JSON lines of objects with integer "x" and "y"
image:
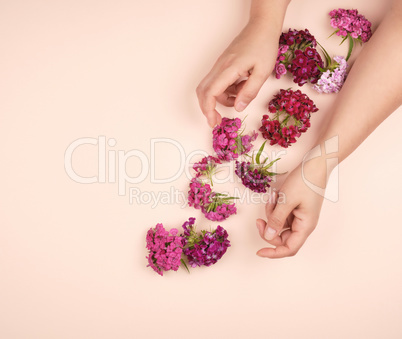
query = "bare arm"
{"x": 252, "y": 54}
{"x": 372, "y": 91}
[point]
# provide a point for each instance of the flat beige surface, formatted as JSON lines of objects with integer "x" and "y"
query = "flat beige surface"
{"x": 72, "y": 256}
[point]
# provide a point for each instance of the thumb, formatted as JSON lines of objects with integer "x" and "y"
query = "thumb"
{"x": 276, "y": 220}
{"x": 250, "y": 90}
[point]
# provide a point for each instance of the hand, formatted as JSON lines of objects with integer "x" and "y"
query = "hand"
{"x": 292, "y": 221}
{"x": 253, "y": 55}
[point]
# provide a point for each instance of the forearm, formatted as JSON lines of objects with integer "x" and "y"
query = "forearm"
{"x": 269, "y": 14}
{"x": 372, "y": 91}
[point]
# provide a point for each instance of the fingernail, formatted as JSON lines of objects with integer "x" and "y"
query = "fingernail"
{"x": 240, "y": 106}
{"x": 270, "y": 233}
{"x": 211, "y": 124}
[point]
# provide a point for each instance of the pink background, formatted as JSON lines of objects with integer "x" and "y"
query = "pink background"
{"x": 72, "y": 256}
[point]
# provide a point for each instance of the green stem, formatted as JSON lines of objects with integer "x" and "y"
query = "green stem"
{"x": 350, "y": 47}
{"x": 185, "y": 265}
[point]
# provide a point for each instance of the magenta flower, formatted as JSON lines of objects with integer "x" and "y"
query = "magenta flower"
{"x": 298, "y": 55}
{"x": 199, "y": 193}
{"x": 204, "y": 249}
{"x": 206, "y": 167}
{"x": 348, "y": 23}
{"x": 280, "y": 70}
{"x": 305, "y": 66}
{"x": 218, "y": 209}
{"x": 165, "y": 249}
{"x": 256, "y": 175}
{"x": 292, "y": 111}
{"x": 228, "y": 142}
{"x": 217, "y": 206}
{"x": 297, "y": 39}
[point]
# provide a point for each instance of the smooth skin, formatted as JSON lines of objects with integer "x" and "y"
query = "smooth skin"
{"x": 289, "y": 224}
{"x": 252, "y": 54}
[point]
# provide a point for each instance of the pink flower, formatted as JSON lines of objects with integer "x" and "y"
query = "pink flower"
{"x": 292, "y": 111}
{"x": 165, "y": 249}
{"x": 280, "y": 70}
{"x": 349, "y": 21}
{"x": 199, "y": 193}
{"x": 298, "y": 55}
{"x": 331, "y": 81}
{"x": 228, "y": 143}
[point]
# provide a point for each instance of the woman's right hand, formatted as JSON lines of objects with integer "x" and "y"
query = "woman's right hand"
{"x": 252, "y": 54}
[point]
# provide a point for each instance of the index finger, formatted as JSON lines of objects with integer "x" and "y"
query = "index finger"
{"x": 208, "y": 92}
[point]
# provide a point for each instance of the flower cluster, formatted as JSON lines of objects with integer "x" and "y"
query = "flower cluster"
{"x": 304, "y": 66}
{"x": 349, "y": 21}
{"x": 252, "y": 177}
{"x": 297, "y": 54}
{"x": 199, "y": 193}
{"x": 255, "y": 174}
{"x": 228, "y": 142}
{"x": 165, "y": 249}
{"x": 206, "y": 167}
{"x": 331, "y": 81}
{"x": 298, "y": 39}
{"x": 288, "y": 106}
{"x": 204, "y": 249}
{"x": 219, "y": 207}
{"x": 281, "y": 60}
{"x": 215, "y": 206}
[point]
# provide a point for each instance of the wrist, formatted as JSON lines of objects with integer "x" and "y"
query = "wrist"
{"x": 268, "y": 15}
{"x": 318, "y": 164}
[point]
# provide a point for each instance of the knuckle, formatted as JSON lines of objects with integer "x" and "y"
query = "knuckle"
{"x": 227, "y": 60}
{"x": 275, "y": 222}
{"x": 250, "y": 95}
{"x": 292, "y": 252}
{"x": 198, "y": 90}
{"x": 207, "y": 92}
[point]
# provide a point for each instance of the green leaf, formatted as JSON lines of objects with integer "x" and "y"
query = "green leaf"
{"x": 271, "y": 163}
{"x": 327, "y": 57}
{"x": 273, "y": 173}
{"x": 185, "y": 265}
{"x": 350, "y": 47}
{"x": 333, "y": 33}
{"x": 257, "y": 158}
{"x": 344, "y": 40}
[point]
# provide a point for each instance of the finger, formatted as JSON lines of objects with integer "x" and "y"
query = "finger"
{"x": 271, "y": 203}
{"x": 235, "y": 88}
{"x": 250, "y": 89}
{"x": 292, "y": 245}
{"x": 226, "y": 99}
{"x": 207, "y": 93}
{"x": 261, "y": 227}
{"x": 278, "y": 240}
{"x": 277, "y": 219}
{"x": 213, "y": 118}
